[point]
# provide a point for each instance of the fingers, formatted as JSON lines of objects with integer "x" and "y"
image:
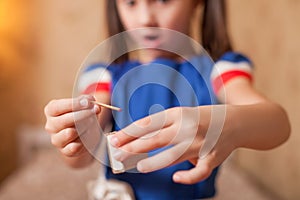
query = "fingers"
{"x": 68, "y": 142}
{"x": 201, "y": 171}
{"x": 164, "y": 159}
{"x": 157, "y": 140}
{"x": 68, "y": 119}
{"x": 64, "y": 113}
{"x": 64, "y": 137}
{"x": 140, "y": 128}
{"x": 56, "y": 124}
{"x": 59, "y": 107}
{"x": 73, "y": 149}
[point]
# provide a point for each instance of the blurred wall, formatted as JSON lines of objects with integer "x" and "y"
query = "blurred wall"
{"x": 17, "y": 62}
{"x": 268, "y": 31}
{"x": 68, "y": 30}
{"x": 42, "y": 44}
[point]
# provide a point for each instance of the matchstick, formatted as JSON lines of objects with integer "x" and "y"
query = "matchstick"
{"x": 107, "y": 106}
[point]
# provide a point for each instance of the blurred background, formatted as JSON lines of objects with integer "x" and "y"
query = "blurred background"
{"x": 42, "y": 44}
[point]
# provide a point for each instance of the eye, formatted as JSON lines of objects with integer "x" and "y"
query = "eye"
{"x": 163, "y": 1}
{"x": 130, "y": 2}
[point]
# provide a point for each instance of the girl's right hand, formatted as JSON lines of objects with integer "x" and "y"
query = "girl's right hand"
{"x": 73, "y": 125}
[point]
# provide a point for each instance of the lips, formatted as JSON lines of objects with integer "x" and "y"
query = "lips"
{"x": 151, "y": 41}
{"x": 151, "y": 37}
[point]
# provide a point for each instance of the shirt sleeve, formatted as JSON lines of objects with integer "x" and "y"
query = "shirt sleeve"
{"x": 228, "y": 67}
{"x": 95, "y": 78}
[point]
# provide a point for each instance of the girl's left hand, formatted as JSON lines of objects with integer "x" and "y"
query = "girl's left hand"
{"x": 184, "y": 131}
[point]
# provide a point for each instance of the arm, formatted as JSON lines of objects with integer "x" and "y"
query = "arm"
{"x": 259, "y": 123}
{"x": 250, "y": 121}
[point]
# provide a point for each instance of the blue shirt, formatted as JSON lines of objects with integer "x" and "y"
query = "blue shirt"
{"x": 141, "y": 90}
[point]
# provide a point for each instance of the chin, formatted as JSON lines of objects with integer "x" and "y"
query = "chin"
{"x": 149, "y": 54}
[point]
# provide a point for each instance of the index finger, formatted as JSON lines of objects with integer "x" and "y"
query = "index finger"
{"x": 141, "y": 128}
{"x": 62, "y": 106}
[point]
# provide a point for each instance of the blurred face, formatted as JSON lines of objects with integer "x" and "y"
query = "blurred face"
{"x": 167, "y": 14}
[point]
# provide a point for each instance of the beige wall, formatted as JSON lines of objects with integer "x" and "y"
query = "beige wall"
{"x": 268, "y": 31}
{"x": 44, "y": 42}
{"x": 68, "y": 31}
{"x": 16, "y": 64}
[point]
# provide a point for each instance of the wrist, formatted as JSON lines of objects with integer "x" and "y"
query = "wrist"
{"x": 220, "y": 129}
{"x": 219, "y": 126}
{"x": 232, "y": 127}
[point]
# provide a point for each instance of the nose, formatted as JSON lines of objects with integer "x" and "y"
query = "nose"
{"x": 147, "y": 16}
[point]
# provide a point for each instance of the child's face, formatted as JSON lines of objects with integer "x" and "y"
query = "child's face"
{"x": 170, "y": 14}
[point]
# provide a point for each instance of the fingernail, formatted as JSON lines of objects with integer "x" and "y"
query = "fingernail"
{"x": 117, "y": 155}
{"x": 95, "y": 109}
{"x": 114, "y": 141}
{"x": 84, "y": 102}
{"x": 176, "y": 178}
{"x": 140, "y": 167}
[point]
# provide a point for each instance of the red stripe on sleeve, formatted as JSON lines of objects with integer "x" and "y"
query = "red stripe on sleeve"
{"x": 221, "y": 80}
{"x": 96, "y": 87}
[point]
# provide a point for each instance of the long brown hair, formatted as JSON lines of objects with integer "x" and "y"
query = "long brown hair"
{"x": 114, "y": 27}
{"x": 215, "y": 38}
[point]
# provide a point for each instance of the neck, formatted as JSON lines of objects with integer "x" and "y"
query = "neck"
{"x": 148, "y": 55}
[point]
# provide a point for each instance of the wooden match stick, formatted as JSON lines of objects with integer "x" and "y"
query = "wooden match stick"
{"x": 107, "y": 106}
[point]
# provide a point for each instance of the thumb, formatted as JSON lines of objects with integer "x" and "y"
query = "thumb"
{"x": 201, "y": 171}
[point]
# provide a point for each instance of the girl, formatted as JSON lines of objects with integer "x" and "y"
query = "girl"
{"x": 180, "y": 116}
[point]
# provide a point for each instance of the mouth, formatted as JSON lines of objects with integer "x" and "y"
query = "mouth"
{"x": 151, "y": 37}
{"x": 152, "y": 41}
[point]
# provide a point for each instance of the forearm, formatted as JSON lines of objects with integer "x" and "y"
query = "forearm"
{"x": 260, "y": 126}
